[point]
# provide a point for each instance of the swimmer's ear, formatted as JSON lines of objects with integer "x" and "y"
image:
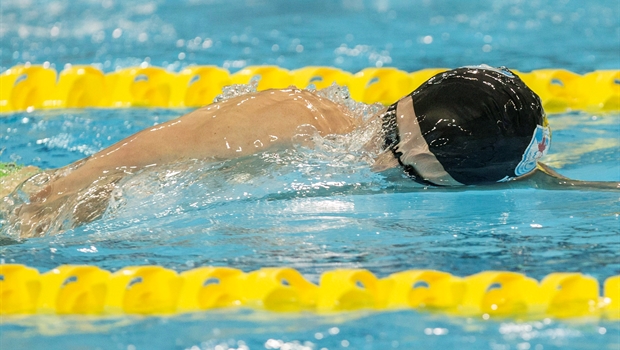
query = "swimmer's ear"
{"x": 385, "y": 161}
{"x": 550, "y": 179}
{"x": 547, "y": 170}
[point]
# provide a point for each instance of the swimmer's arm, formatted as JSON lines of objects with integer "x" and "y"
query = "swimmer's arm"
{"x": 546, "y": 177}
{"x": 229, "y": 129}
{"x": 176, "y": 140}
{"x": 88, "y": 183}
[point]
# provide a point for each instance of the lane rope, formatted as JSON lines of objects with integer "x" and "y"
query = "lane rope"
{"x": 28, "y": 87}
{"x": 155, "y": 290}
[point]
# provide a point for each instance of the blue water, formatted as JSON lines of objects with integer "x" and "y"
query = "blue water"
{"x": 351, "y": 34}
{"x": 314, "y": 210}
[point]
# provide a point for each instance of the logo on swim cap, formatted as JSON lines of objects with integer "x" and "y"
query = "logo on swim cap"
{"x": 537, "y": 148}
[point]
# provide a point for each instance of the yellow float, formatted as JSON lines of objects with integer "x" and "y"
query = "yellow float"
{"x": 28, "y": 87}
{"x": 155, "y": 290}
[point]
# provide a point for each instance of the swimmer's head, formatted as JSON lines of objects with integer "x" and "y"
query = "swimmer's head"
{"x": 468, "y": 126}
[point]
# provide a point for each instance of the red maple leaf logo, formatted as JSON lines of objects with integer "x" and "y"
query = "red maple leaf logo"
{"x": 542, "y": 145}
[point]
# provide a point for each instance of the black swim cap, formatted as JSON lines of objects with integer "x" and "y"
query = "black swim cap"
{"x": 471, "y": 125}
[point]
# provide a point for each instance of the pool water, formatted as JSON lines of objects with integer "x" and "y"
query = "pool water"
{"x": 318, "y": 208}
{"x": 349, "y": 34}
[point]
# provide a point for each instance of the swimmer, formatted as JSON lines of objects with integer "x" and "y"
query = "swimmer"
{"x": 474, "y": 125}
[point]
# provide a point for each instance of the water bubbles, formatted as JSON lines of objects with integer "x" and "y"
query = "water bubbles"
{"x": 235, "y": 90}
{"x": 435, "y": 331}
{"x": 283, "y": 345}
{"x": 145, "y": 9}
{"x": 88, "y": 250}
{"x": 23, "y": 32}
{"x": 207, "y": 43}
{"x": 98, "y": 37}
{"x": 234, "y": 64}
{"x": 54, "y": 31}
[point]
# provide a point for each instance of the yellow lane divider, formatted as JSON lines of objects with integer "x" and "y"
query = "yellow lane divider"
{"x": 154, "y": 290}
{"x": 28, "y": 87}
